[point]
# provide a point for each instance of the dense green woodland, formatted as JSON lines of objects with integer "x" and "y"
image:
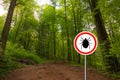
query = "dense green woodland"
{"x": 33, "y": 34}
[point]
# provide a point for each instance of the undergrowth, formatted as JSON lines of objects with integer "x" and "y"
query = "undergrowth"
{"x": 12, "y": 54}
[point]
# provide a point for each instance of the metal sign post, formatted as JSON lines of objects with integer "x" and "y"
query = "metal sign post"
{"x": 85, "y": 71}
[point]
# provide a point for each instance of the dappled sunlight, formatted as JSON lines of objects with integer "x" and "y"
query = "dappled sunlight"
{"x": 43, "y": 2}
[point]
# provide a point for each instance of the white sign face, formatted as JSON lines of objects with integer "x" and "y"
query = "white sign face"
{"x": 85, "y": 43}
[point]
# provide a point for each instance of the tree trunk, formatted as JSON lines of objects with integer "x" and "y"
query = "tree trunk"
{"x": 67, "y": 32}
{"x": 48, "y": 43}
{"x": 110, "y": 61}
{"x": 63, "y": 42}
{"x": 19, "y": 24}
{"x": 28, "y": 36}
{"x": 7, "y": 24}
{"x": 75, "y": 23}
{"x": 54, "y": 38}
{"x": 54, "y": 33}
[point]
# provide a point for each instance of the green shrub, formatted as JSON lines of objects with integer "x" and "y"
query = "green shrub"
{"x": 16, "y": 52}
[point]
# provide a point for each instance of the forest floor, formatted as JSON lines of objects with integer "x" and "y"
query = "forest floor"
{"x": 52, "y": 71}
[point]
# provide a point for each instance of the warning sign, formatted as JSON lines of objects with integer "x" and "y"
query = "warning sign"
{"x": 85, "y": 43}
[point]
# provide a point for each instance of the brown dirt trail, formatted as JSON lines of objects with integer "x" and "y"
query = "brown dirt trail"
{"x": 52, "y": 71}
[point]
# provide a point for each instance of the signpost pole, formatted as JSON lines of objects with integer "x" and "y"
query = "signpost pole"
{"x": 85, "y": 74}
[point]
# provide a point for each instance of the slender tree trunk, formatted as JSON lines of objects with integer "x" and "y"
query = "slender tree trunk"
{"x": 111, "y": 61}
{"x": 7, "y": 24}
{"x": 39, "y": 39}
{"x": 67, "y": 32}
{"x": 75, "y": 24}
{"x": 54, "y": 33}
{"x": 63, "y": 43}
{"x": 54, "y": 38}
{"x": 42, "y": 42}
{"x": 19, "y": 24}
{"x": 48, "y": 43}
{"x": 28, "y": 41}
{"x": 40, "y": 46}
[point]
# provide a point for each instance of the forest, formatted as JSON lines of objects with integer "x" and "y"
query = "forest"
{"x": 35, "y": 35}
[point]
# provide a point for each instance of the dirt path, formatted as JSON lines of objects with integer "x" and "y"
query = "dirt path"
{"x": 52, "y": 71}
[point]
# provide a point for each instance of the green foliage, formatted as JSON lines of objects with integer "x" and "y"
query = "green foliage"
{"x": 7, "y": 64}
{"x": 115, "y": 46}
{"x": 1, "y": 23}
{"x": 16, "y": 52}
{"x": 34, "y": 29}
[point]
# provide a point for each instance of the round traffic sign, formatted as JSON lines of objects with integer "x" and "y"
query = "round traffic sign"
{"x": 85, "y": 43}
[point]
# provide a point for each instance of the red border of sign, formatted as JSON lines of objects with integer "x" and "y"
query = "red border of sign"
{"x": 85, "y": 53}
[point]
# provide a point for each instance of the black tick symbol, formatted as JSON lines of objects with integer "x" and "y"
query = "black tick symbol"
{"x": 85, "y": 42}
